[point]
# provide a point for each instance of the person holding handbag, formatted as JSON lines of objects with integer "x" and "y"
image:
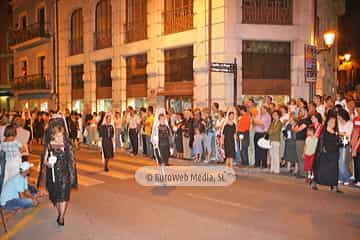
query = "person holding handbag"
{"x": 274, "y": 136}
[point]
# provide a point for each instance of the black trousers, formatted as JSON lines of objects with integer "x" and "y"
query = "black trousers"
{"x": 133, "y": 134}
{"x": 244, "y": 152}
{"x": 260, "y": 153}
{"x": 357, "y": 167}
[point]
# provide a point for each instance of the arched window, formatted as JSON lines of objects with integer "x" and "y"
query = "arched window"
{"x": 77, "y": 33}
{"x": 103, "y": 34}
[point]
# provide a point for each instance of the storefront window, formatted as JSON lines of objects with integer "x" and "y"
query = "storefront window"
{"x": 179, "y": 103}
{"x": 137, "y": 103}
{"x": 78, "y": 106}
{"x": 44, "y": 107}
{"x": 104, "y": 105}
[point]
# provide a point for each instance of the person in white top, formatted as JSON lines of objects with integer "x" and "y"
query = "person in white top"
{"x": 345, "y": 126}
{"x": 23, "y": 137}
{"x": 320, "y": 107}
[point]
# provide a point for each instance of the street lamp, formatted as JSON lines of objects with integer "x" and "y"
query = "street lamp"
{"x": 329, "y": 39}
{"x": 347, "y": 57}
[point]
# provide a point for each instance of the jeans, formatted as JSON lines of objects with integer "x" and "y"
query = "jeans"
{"x": 344, "y": 159}
{"x": 117, "y": 137}
{"x": 149, "y": 147}
{"x": 144, "y": 144}
{"x": 242, "y": 153}
{"x": 18, "y": 203}
{"x": 209, "y": 144}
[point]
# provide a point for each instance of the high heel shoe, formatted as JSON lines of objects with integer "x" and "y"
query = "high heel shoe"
{"x": 60, "y": 223}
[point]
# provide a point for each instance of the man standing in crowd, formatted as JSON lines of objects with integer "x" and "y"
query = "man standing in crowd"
{"x": 243, "y": 133}
{"x": 262, "y": 123}
{"x": 300, "y": 129}
{"x": 252, "y": 110}
{"x": 320, "y": 107}
{"x": 133, "y": 125}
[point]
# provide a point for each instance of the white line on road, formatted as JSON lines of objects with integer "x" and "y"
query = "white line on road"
{"x": 224, "y": 202}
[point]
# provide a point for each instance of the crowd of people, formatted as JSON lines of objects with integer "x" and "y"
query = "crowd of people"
{"x": 317, "y": 140}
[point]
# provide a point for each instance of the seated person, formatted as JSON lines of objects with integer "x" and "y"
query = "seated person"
{"x": 15, "y": 193}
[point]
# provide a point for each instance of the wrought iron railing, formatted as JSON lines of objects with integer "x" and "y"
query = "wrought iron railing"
{"x": 30, "y": 32}
{"x": 179, "y": 19}
{"x": 76, "y": 46}
{"x": 277, "y": 12}
{"x": 103, "y": 39}
{"x": 136, "y": 30}
{"x": 32, "y": 82}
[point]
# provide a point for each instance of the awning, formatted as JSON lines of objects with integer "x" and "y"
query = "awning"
{"x": 35, "y": 96}
{"x": 6, "y": 93}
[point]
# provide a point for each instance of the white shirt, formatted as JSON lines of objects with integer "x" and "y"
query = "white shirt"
{"x": 284, "y": 118}
{"x": 321, "y": 109}
{"x": 346, "y": 128}
{"x": 23, "y": 137}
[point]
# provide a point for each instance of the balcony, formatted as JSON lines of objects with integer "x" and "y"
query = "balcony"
{"x": 179, "y": 19}
{"x": 103, "y": 39}
{"x": 33, "y": 34}
{"x": 32, "y": 83}
{"x": 76, "y": 46}
{"x": 136, "y": 30}
{"x": 276, "y": 12}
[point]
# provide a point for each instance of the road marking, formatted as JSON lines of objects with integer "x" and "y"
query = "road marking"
{"x": 100, "y": 171}
{"x": 22, "y": 223}
{"x": 224, "y": 202}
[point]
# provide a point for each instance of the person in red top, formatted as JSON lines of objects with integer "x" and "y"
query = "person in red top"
{"x": 355, "y": 144}
{"x": 243, "y": 136}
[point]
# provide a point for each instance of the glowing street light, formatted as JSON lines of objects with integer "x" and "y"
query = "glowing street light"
{"x": 329, "y": 38}
{"x": 347, "y": 57}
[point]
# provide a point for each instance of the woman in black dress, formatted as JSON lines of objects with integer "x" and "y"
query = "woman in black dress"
{"x": 60, "y": 167}
{"x": 179, "y": 136}
{"x": 326, "y": 164}
{"x": 107, "y": 133}
{"x": 229, "y": 138}
{"x": 39, "y": 129}
{"x": 164, "y": 134}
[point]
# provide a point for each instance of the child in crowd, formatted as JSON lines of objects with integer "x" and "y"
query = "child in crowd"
{"x": 197, "y": 145}
{"x": 309, "y": 152}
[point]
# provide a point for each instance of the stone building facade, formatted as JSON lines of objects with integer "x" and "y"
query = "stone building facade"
{"x": 31, "y": 40}
{"x": 118, "y": 53}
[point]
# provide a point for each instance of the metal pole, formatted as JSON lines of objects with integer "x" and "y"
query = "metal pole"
{"x": 235, "y": 82}
{"x": 209, "y": 54}
{"x": 57, "y": 58}
{"x": 312, "y": 84}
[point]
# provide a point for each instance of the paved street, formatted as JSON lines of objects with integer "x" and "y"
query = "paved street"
{"x": 113, "y": 206}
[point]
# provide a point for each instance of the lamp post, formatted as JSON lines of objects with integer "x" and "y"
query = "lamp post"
{"x": 329, "y": 39}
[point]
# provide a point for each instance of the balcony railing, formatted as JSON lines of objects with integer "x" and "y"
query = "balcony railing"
{"x": 32, "y": 31}
{"x": 32, "y": 82}
{"x": 136, "y": 31}
{"x": 277, "y": 12}
{"x": 76, "y": 46}
{"x": 178, "y": 20}
{"x": 103, "y": 39}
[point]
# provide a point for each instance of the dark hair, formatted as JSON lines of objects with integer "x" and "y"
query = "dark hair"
{"x": 143, "y": 109}
{"x": 277, "y": 112}
{"x": 151, "y": 109}
{"x": 318, "y": 117}
{"x": 270, "y": 97}
{"x": 216, "y": 105}
{"x": 10, "y": 131}
{"x": 242, "y": 108}
{"x": 327, "y": 121}
{"x": 312, "y": 104}
{"x": 344, "y": 114}
{"x": 161, "y": 115}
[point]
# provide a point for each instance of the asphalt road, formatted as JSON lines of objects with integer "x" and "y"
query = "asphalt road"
{"x": 113, "y": 206}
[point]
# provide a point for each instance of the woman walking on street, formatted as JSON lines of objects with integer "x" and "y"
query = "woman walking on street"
{"x": 107, "y": 133}
{"x": 326, "y": 164}
{"x": 60, "y": 166}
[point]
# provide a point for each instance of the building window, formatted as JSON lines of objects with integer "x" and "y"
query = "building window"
{"x": 11, "y": 72}
{"x": 103, "y": 73}
{"x": 179, "y": 64}
{"x": 278, "y": 12}
{"x": 178, "y": 15}
{"x": 41, "y": 20}
{"x": 103, "y": 34}
{"x": 136, "y": 69}
{"x": 24, "y": 68}
{"x": 266, "y": 64}
{"x": 77, "y": 33}
{"x": 77, "y": 73}
{"x": 136, "y": 20}
{"x": 179, "y": 104}
{"x": 41, "y": 62}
